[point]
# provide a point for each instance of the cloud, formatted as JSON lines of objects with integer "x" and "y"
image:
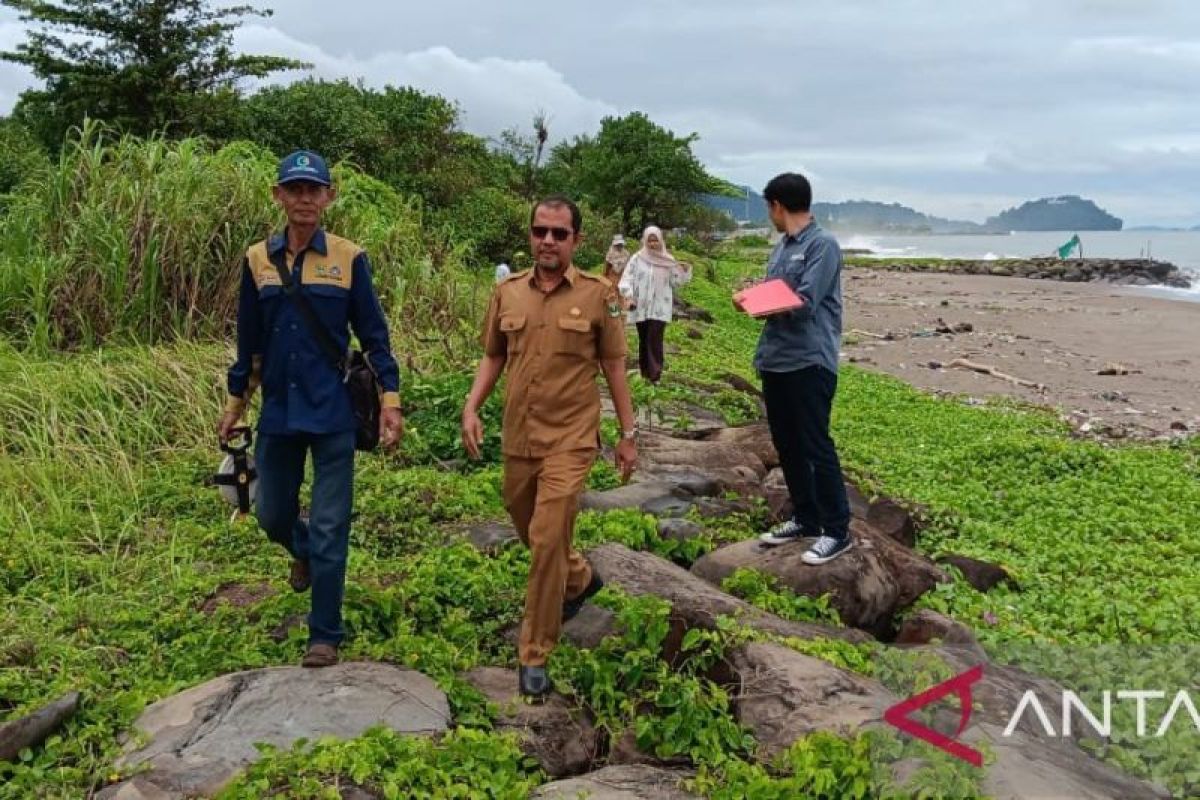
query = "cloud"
{"x": 14, "y": 78}
{"x": 494, "y": 93}
{"x": 958, "y": 109}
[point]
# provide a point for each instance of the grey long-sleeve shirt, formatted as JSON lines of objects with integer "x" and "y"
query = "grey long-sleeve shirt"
{"x": 811, "y": 264}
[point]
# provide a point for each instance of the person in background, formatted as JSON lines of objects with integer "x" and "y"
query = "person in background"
{"x": 502, "y": 271}
{"x": 306, "y": 406}
{"x": 615, "y": 259}
{"x": 797, "y": 359}
{"x": 648, "y": 284}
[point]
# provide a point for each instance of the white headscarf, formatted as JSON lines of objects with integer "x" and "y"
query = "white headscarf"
{"x": 661, "y": 258}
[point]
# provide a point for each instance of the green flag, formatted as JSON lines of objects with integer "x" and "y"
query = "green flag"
{"x": 1065, "y": 250}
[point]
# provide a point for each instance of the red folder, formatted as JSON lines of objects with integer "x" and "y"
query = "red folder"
{"x": 769, "y": 297}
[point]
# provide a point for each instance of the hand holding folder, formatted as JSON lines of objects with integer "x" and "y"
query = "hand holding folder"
{"x": 768, "y": 298}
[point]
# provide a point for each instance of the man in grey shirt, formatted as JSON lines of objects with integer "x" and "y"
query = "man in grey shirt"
{"x": 797, "y": 359}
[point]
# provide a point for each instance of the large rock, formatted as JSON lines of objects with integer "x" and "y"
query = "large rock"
{"x": 982, "y": 575}
{"x": 652, "y": 497}
{"x": 697, "y": 603}
{"x": 625, "y": 782}
{"x": 782, "y": 695}
{"x": 199, "y": 739}
{"x": 785, "y": 695}
{"x": 779, "y": 500}
{"x": 1034, "y": 766}
{"x": 668, "y": 493}
{"x": 927, "y": 626}
{"x": 623, "y": 749}
{"x": 586, "y": 629}
{"x": 868, "y": 586}
{"x": 679, "y": 530}
{"x": 32, "y": 730}
{"x": 755, "y": 438}
{"x": 775, "y": 492}
{"x": 557, "y": 735}
{"x": 490, "y": 537}
{"x": 731, "y": 464}
{"x": 893, "y": 520}
{"x": 640, "y": 496}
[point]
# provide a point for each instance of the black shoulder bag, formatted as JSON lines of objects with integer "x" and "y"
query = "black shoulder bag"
{"x": 354, "y": 368}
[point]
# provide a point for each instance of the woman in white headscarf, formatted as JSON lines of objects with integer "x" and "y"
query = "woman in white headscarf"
{"x": 649, "y": 284}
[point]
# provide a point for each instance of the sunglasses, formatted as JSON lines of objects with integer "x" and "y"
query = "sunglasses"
{"x": 560, "y": 234}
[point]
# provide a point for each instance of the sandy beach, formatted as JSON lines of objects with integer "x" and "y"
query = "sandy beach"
{"x": 1060, "y": 336}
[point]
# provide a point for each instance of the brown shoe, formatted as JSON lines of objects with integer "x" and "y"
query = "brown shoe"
{"x": 320, "y": 655}
{"x": 299, "y": 578}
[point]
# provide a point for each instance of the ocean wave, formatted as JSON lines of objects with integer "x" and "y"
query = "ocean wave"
{"x": 860, "y": 242}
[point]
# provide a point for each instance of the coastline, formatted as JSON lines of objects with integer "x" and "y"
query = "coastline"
{"x": 1113, "y": 361}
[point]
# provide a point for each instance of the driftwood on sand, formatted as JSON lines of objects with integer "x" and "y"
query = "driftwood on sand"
{"x": 984, "y": 369}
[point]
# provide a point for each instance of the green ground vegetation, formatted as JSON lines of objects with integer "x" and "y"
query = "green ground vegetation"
{"x": 116, "y": 546}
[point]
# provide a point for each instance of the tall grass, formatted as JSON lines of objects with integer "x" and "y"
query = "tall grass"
{"x": 111, "y": 403}
{"x": 134, "y": 240}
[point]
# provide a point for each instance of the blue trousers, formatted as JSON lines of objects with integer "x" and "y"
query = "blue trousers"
{"x": 325, "y": 540}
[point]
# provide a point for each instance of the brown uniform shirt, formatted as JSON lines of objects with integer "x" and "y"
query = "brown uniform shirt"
{"x": 554, "y": 343}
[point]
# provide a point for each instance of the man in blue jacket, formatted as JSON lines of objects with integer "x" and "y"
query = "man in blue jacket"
{"x": 306, "y": 405}
{"x": 797, "y": 358}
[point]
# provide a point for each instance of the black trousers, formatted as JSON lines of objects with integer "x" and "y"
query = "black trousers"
{"x": 798, "y": 407}
{"x": 650, "y": 348}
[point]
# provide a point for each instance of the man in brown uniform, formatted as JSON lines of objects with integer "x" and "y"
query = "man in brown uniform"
{"x": 554, "y": 327}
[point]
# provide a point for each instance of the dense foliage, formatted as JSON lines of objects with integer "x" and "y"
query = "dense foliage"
{"x": 142, "y": 66}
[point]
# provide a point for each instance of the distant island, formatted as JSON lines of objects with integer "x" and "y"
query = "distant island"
{"x": 1064, "y": 213}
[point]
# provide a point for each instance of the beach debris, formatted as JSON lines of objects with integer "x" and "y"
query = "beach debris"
{"x": 985, "y": 369}
{"x": 958, "y": 327}
{"x": 1178, "y": 425}
{"x": 1113, "y": 396}
{"x": 1117, "y": 368}
{"x": 934, "y": 365}
{"x": 889, "y": 336}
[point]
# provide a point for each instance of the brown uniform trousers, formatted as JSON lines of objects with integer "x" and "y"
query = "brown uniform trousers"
{"x": 542, "y": 497}
{"x": 553, "y": 343}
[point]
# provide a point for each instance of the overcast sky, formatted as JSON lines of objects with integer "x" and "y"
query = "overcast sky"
{"x": 955, "y": 108}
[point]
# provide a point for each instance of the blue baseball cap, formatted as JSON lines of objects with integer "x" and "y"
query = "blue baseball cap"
{"x": 304, "y": 165}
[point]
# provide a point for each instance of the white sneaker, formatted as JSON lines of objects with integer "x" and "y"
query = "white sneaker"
{"x": 784, "y": 532}
{"x": 826, "y": 549}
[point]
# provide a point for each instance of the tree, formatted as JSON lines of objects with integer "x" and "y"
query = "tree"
{"x": 633, "y": 168}
{"x": 404, "y": 137}
{"x": 142, "y": 66}
{"x": 524, "y": 155}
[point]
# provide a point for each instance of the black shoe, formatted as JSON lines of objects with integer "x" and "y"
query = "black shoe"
{"x": 575, "y": 604}
{"x": 534, "y": 682}
{"x": 787, "y": 531}
{"x": 300, "y": 579}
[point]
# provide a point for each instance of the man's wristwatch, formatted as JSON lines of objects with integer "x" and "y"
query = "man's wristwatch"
{"x": 630, "y": 434}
